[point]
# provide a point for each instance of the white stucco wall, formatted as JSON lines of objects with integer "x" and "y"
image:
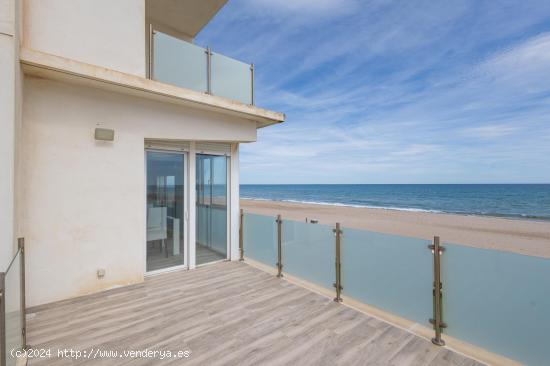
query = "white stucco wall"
{"x": 100, "y": 32}
{"x": 7, "y": 117}
{"x": 84, "y": 201}
{"x": 10, "y": 85}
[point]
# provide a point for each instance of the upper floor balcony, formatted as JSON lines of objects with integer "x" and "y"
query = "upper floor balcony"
{"x": 123, "y": 54}
{"x": 184, "y": 64}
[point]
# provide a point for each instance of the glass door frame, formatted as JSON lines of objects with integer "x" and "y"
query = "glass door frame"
{"x": 228, "y": 173}
{"x": 186, "y": 205}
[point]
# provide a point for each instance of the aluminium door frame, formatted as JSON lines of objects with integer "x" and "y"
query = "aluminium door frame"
{"x": 228, "y": 173}
{"x": 186, "y": 204}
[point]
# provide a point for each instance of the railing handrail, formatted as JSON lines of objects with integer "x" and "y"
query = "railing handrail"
{"x": 3, "y": 341}
{"x": 2, "y": 319}
{"x": 12, "y": 260}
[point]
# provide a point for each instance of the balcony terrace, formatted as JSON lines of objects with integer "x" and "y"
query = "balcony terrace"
{"x": 178, "y": 62}
{"x": 228, "y": 313}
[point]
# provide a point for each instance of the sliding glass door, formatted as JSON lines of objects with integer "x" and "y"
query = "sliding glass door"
{"x": 165, "y": 210}
{"x": 211, "y": 208}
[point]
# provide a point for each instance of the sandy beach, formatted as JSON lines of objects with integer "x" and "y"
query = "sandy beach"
{"x": 520, "y": 236}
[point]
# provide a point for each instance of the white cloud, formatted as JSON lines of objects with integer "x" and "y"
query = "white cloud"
{"x": 525, "y": 66}
{"x": 490, "y": 131}
{"x": 415, "y": 150}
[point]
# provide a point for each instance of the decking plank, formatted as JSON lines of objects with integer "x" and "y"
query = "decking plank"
{"x": 226, "y": 313}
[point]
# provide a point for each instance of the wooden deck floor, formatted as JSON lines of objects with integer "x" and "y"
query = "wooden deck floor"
{"x": 227, "y": 313}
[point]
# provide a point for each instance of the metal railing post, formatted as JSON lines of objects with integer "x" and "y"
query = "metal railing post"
{"x": 338, "y": 284}
{"x": 208, "y": 70}
{"x": 21, "y": 245}
{"x": 436, "y": 321}
{"x": 279, "y": 222}
{"x": 241, "y": 237}
{"x": 151, "y": 50}
{"x": 252, "y": 83}
{"x": 2, "y": 319}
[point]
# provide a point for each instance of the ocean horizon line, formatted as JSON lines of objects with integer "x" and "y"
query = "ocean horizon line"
{"x": 408, "y": 209}
{"x": 519, "y": 201}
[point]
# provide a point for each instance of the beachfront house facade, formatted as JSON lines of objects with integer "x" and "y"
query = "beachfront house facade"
{"x": 120, "y": 141}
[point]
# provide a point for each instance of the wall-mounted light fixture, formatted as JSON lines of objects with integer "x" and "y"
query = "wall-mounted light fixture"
{"x": 104, "y": 134}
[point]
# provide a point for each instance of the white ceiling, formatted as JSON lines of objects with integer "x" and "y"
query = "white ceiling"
{"x": 186, "y": 17}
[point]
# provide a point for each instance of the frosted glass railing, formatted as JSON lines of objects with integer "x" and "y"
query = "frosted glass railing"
{"x": 499, "y": 301}
{"x": 184, "y": 64}
{"x": 13, "y": 312}
{"x": 308, "y": 252}
{"x": 179, "y": 63}
{"x": 260, "y": 238}
{"x": 390, "y": 272}
{"x": 231, "y": 79}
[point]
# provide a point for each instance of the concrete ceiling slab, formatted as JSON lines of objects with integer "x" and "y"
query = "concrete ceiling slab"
{"x": 183, "y": 17}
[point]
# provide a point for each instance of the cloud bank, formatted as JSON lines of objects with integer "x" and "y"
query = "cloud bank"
{"x": 395, "y": 92}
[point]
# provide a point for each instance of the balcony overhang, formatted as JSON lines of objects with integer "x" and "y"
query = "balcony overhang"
{"x": 53, "y": 67}
{"x": 185, "y": 18}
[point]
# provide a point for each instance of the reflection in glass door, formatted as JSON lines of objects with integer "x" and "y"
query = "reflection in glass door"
{"x": 211, "y": 208}
{"x": 165, "y": 209}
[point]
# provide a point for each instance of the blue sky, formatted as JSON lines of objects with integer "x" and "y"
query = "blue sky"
{"x": 394, "y": 91}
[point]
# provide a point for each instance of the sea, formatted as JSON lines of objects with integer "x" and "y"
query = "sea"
{"x": 521, "y": 201}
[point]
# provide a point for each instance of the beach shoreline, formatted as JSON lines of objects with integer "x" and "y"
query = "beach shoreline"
{"x": 523, "y": 236}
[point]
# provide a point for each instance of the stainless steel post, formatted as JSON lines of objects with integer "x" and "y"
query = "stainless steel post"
{"x": 21, "y": 245}
{"x": 252, "y": 82}
{"x": 208, "y": 70}
{"x": 151, "y": 50}
{"x": 338, "y": 283}
{"x": 279, "y": 222}
{"x": 2, "y": 319}
{"x": 241, "y": 237}
{"x": 436, "y": 321}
